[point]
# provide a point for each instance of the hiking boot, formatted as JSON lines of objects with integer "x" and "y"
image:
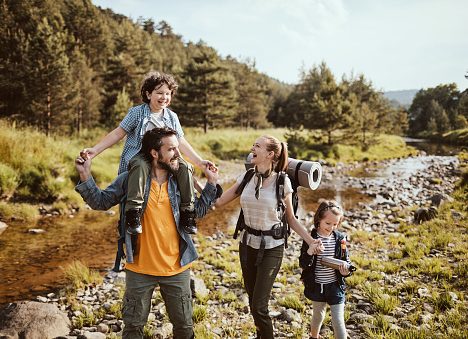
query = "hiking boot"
{"x": 132, "y": 221}
{"x": 187, "y": 222}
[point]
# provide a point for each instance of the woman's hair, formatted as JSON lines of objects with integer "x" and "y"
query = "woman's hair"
{"x": 154, "y": 80}
{"x": 280, "y": 150}
{"x": 327, "y": 205}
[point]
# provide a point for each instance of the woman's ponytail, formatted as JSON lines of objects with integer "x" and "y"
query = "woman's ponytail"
{"x": 282, "y": 163}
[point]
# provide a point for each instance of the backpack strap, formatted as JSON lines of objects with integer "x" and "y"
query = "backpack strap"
{"x": 281, "y": 208}
{"x": 240, "y": 221}
{"x": 247, "y": 177}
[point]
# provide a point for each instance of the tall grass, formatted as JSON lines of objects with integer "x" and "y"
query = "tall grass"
{"x": 79, "y": 275}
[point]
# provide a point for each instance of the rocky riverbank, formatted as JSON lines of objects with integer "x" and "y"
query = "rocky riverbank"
{"x": 220, "y": 308}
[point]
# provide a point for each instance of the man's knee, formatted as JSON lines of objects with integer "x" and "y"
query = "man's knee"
{"x": 133, "y": 314}
{"x": 180, "y": 313}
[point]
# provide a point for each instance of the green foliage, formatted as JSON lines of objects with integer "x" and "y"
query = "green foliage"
{"x": 200, "y": 313}
{"x": 436, "y": 109}
{"x": 20, "y": 211}
{"x": 8, "y": 180}
{"x": 292, "y": 301}
{"x": 79, "y": 275}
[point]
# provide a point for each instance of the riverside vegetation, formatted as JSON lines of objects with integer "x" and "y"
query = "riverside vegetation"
{"x": 411, "y": 280}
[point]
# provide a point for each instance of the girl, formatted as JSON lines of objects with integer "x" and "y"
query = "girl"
{"x": 260, "y": 251}
{"x": 324, "y": 284}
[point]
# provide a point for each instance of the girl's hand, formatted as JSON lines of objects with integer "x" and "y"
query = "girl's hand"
{"x": 344, "y": 269}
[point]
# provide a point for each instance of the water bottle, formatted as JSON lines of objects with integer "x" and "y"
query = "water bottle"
{"x": 336, "y": 263}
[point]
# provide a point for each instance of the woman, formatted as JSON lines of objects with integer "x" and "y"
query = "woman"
{"x": 260, "y": 253}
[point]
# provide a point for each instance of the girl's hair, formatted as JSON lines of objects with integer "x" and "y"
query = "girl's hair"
{"x": 327, "y": 205}
{"x": 280, "y": 150}
{"x": 154, "y": 80}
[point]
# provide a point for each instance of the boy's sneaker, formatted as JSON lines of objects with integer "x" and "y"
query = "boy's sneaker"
{"x": 132, "y": 221}
{"x": 187, "y": 222}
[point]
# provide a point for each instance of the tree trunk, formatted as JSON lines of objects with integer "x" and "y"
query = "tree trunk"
{"x": 49, "y": 113}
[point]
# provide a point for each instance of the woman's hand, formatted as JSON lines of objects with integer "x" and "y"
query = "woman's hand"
{"x": 315, "y": 247}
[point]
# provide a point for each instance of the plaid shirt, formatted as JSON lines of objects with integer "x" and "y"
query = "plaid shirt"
{"x": 135, "y": 123}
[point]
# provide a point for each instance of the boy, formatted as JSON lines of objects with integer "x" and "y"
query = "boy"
{"x": 156, "y": 92}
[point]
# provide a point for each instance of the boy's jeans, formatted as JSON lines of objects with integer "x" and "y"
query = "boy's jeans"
{"x": 177, "y": 296}
{"x": 139, "y": 172}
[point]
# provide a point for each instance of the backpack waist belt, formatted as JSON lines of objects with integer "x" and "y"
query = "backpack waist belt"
{"x": 258, "y": 233}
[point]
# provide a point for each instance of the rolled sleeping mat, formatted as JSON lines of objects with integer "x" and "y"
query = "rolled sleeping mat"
{"x": 304, "y": 173}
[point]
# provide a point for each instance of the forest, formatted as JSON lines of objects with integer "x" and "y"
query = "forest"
{"x": 66, "y": 66}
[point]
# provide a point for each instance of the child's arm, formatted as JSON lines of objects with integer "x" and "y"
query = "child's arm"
{"x": 109, "y": 140}
{"x": 193, "y": 156}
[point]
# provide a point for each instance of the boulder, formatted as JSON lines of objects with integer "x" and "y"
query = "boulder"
{"x": 31, "y": 319}
{"x": 424, "y": 214}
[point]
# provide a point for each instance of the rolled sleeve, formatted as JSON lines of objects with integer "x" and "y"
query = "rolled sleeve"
{"x": 207, "y": 198}
{"x": 99, "y": 199}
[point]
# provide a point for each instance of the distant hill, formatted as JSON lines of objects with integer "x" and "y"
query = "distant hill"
{"x": 404, "y": 98}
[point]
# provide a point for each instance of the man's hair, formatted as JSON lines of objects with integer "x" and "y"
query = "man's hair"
{"x": 153, "y": 140}
{"x": 154, "y": 80}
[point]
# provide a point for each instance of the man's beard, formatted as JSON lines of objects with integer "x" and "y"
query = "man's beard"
{"x": 167, "y": 165}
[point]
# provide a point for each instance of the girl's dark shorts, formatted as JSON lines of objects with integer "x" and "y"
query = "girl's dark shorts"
{"x": 332, "y": 293}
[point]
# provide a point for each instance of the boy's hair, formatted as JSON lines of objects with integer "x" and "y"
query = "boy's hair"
{"x": 154, "y": 80}
{"x": 153, "y": 140}
{"x": 280, "y": 149}
{"x": 327, "y": 205}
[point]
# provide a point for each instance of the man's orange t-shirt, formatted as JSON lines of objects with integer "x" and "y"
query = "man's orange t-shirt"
{"x": 159, "y": 252}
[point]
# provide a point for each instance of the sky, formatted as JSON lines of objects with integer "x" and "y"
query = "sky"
{"x": 397, "y": 44}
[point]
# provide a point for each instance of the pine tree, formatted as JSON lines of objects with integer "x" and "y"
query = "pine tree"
{"x": 251, "y": 93}
{"x": 208, "y": 98}
{"x": 48, "y": 64}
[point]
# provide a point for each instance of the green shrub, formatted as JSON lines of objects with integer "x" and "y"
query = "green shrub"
{"x": 8, "y": 180}
{"x": 18, "y": 211}
{"x": 79, "y": 275}
{"x": 199, "y": 314}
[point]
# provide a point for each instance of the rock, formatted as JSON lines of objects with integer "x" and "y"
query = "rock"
{"x": 92, "y": 335}
{"x": 198, "y": 288}
{"x": 102, "y": 328}
{"x": 424, "y": 214}
{"x": 36, "y": 230}
{"x": 9, "y": 334}
{"x": 3, "y": 227}
{"x": 34, "y": 320}
{"x": 290, "y": 315}
{"x": 439, "y": 198}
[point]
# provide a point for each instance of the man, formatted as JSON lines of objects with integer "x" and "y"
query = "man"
{"x": 165, "y": 252}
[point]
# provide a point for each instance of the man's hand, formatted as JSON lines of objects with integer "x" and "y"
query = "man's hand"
{"x": 83, "y": 166}
{"x": 316, "y": 247}
{"x": 211, "y": 173}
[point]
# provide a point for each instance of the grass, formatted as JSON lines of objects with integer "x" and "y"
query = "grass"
{"x": 292, "y": 301}
{"x": 79, "y": 275}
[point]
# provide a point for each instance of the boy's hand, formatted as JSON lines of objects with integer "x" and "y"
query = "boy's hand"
{"x": 88, "y": 153}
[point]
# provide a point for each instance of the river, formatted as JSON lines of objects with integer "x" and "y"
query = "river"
{"x": 31, "y": 264}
